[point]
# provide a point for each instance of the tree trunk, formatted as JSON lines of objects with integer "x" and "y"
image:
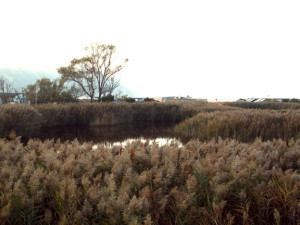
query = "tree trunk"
{"x": 99, "y": 97}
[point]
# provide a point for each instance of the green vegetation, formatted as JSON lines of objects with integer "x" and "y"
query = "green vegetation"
{"x": 47, "y": 91}
{"x": 130, "y": 100}
{"x": 149, "y": 100}
{"x": 107, "y": 98}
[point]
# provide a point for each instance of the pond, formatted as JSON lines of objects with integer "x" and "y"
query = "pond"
{"x": 159, "y": 132}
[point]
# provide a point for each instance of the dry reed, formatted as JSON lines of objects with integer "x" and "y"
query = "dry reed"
{"x": 25, "y": 120}
{"x": 265, "y": 105}
{"x": 243, "y": 125}
{"x": 214, "y": 182}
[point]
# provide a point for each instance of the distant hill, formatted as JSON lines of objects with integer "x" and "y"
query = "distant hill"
{"x": 22, "y": 77}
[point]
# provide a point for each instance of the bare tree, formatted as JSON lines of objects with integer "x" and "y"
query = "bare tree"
{"x": 5, "y": 85}
{"x": 6, "y": 89}
{"x": 112, "y": 84}
{"x": 94, "y": 73}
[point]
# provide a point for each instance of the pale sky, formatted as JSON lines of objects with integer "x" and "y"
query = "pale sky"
{"x": 206, "y": 49}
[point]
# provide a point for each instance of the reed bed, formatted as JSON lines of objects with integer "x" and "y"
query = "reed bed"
{"x": 242, "y": 125}
{"x": 265, "y": 105}
{"x": 214, "y": 182}
{"x": 26, "y": 119}
{"x": 122, "y": 113}
{"x": 22, "y": 118}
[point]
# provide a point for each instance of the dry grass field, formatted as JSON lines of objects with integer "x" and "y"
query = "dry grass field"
{"x": 242, "y": 167}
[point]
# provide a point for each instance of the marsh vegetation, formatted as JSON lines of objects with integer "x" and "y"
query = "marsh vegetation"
{"x": 240, "y": 166}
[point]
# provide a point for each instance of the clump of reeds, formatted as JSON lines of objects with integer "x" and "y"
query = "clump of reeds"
{"x": 106, "y": 113}
{"x": 215, "y": 182}
{"x": 22, "y": 118}
{"x": 265, "y": 105}
{"x": 243, "y": 125}
{"x": 111, "y": 113}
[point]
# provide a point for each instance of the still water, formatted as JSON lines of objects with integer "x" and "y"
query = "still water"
{"x": 158, "y": 132}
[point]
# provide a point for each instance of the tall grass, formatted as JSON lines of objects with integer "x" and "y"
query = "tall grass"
{"x": 243, "y": 125}
{"x": 214, "y": 182}
{"x": 24, "y": 119}
{"x": 121, "y": 113}
{"x": 265, "y": 105}
{"x": 21, "y": 118}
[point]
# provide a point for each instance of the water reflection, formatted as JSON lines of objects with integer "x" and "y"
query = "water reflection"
{"x": 158, "y": 141}
{"x": 112, "y": 134}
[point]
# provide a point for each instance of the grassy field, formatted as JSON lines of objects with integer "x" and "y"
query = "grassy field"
{"x": 243, "y": 169}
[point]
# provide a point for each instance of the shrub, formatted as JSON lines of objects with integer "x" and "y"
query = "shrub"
{"x": 130, "y": 100}
{"x": 149, "y": 100}
{"x": 107, "y": 98}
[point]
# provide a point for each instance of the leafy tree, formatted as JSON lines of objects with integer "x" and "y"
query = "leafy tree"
{"x": 47, "y": 91}
{"x": 94, "y": 73}
{"x": 285, "y": 100}
{"x": 130, "y": 100}
{"x": 107, "y": 98}
{"x": 295, "y": 100}
{"x": 149, "y": 100}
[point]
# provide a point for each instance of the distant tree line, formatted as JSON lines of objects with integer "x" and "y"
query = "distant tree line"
{"x": 290, "y": 100}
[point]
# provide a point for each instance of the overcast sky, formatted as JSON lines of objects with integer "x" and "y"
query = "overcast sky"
{"x": 207, "y": 49}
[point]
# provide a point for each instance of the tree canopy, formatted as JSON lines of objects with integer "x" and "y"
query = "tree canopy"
{"x": 94, "y": 73}
{"x": 47, "y": 91}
